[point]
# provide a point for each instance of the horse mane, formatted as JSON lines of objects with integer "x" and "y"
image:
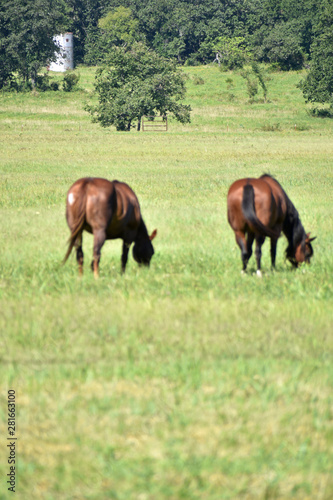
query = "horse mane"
{"x": 142, "y": 231}
{"x": 292, "y": 226}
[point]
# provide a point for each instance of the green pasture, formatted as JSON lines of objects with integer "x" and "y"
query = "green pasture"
{"x": 187, "y": 380}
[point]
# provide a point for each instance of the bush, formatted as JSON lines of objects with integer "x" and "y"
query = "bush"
{"x": 54, "y": 86}
{"x": 197, "y": 80}
{"x": 70, "y": 81}
{"x": 230, "y": 83}
{"x": 10, "y": 84}
{"x": 321, "y": 112}
{"x": 43, "y": 82}
{"x": 255, "y": 77}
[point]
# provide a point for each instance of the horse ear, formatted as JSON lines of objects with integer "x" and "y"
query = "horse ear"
{"x": 308, "y": 239}
{"x": 153, "y": 234}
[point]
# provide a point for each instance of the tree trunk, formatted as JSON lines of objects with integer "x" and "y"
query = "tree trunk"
{"x": 33, "y": 77}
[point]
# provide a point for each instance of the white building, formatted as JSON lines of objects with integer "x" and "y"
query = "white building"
{"x": 65, "y": 58}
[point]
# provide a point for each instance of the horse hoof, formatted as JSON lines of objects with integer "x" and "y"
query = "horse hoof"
{"x": 243, "y": 273}
{"x": 259, "y": 274}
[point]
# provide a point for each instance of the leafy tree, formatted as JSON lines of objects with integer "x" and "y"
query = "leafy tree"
{"x": 120, "y": 26}
{"x": 84, "y": 15}
{"x": 231, "y": 52}
{"x": 7, "y": 62}
{"x": 84, "y": 18}
{"x": 27, "y": 31}
{"x": 117, "y": 27}
{"x": 135, "y": 82}
{"x": 282, "y": 45}
{"x": 318, "y": 85}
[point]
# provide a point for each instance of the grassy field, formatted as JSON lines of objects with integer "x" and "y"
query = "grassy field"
{"x": 187, "y": 380}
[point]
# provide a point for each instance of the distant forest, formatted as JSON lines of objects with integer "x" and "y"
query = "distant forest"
{"x": 287, "y": 34}
{"x": 279, "y": 32}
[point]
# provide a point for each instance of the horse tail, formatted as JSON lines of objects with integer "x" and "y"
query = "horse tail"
{"x": 250, "y": 215}
{"x": 78, "y": 228}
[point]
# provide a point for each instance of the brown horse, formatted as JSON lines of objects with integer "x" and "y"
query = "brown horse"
{"x": 108, "y": 210}
{"x": 259, "y": 208}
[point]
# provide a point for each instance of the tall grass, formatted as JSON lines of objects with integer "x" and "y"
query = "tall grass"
{"x": 186, "y": 380}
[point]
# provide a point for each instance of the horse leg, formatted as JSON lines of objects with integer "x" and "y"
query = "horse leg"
{"x": 259, "y": 242}
{"x": 249, "y": 243}
{"x": 79, "y": 254}
{"x": 99, "y": 239}
{"x": 124, "y": 256}
{"x": 241, "y": 242}
{"x": 273, "y": 251}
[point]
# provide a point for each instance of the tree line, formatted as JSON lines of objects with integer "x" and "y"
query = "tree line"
{"x": 280, "y": 32}
{"x": 288, "y": 34}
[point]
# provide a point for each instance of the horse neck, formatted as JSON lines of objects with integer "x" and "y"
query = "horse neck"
{"x": 142, "y": 233}
{"x": 292, "y": 228}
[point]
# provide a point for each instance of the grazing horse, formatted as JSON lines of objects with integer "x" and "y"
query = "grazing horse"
{"x": 108, "y": 210}
{"x": 259, "y": 208}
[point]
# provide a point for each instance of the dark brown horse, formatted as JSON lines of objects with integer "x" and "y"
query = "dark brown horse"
{"x": 108, "y": 210}
{"x": 259, "y": 208}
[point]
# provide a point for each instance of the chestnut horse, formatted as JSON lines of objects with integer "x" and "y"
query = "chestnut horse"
{"x": 259, "y": 208}
{"x": 108, "y": 210}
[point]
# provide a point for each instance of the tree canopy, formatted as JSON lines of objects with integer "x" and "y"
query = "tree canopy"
{"x": 27, "y": 28}
{"x": 184, "y": 29}
{"x": 318, "y": 85}
{"x": 135, "y": 82}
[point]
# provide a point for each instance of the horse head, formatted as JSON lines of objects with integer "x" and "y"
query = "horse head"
{"x": 304, "y": 251}
{"x": 143, "y": 249}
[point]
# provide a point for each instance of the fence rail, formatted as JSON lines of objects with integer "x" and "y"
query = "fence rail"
{"x": 154, "y": 123}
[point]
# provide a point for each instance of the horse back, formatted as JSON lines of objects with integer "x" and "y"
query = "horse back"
{"x": 278, "y": 193}
{"x": 98, "y": 204}
{"x": 236, "y": 217}
{"x": 265, "y": 204}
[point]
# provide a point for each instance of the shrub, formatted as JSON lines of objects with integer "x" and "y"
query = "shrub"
{"x": 197, "y": 80}
{"x": 43, "y": 82}
{"x": 54, "y": 86}
{"x": 230, "y": 83}
{"x": 70, "y": 81}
